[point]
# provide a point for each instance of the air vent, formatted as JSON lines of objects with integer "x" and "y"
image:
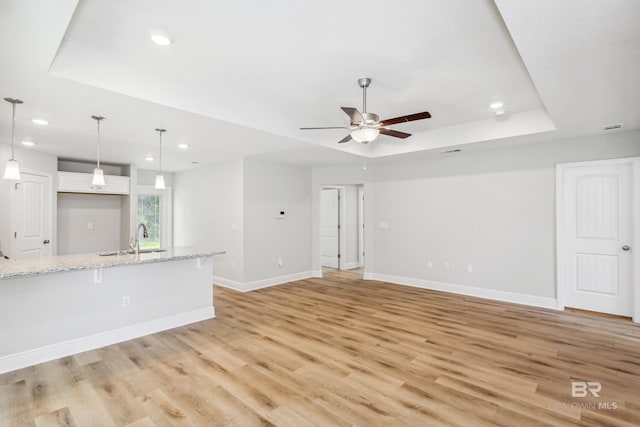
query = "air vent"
{"x": 613, "y": 126}
{"x": 457, "y": 150}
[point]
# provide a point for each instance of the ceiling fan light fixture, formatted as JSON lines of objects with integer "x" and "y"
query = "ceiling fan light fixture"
{"x": 365, "y": 135}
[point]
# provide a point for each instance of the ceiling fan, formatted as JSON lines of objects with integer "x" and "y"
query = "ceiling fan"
{"x": 365, "y": 127}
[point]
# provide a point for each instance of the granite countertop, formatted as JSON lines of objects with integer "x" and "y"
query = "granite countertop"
{"x": 54, "y": 264}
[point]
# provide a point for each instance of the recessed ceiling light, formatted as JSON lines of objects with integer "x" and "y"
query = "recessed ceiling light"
{"x": 183, "y": 146}
{"x": 40, "y": 122}
{"x": 496, "y": 105}
{"x": 28, "y": 143}
{"x": 161, "y": 39}
{"x": 149, "y": 158}
{"x": 500, "y": 113}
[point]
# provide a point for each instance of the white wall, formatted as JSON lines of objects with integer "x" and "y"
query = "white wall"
{"x": 492, "y": 209}
{"x": 207, "y": 204}
{"x": 269, "y": 188}
{"x": 76, "y": 211}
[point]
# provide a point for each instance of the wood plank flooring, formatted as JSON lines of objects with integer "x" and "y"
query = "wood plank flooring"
{"x": 340, "y": 351}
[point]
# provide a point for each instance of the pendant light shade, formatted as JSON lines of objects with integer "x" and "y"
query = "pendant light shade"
{"x": 98, "y": 177}
{"x": 160, "y": 182}
{"x": 160, "y": 178}
{"x": 12, "y": 171}
{"x": 98, "y": 173}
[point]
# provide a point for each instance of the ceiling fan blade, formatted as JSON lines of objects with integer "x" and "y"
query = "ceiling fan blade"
{"x": 345, "y": 139}
{"x": 356, "y": 116}
{"x": 403, "y": 119}
{"x": 395, "y": 133}
{"x": 329, "y": 127}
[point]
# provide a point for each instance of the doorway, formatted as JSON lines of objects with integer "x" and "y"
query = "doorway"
{"x": 31, "y": 216}
{"x": 597, "y": 229}
{"x": 342, "y": 227}
{"x": 330, "y": 227}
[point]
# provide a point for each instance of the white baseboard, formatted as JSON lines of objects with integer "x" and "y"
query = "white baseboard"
{"x": 316, "y": 273}
{"x": 91, "y": 342}
{"x": 492, "y": 294}
{"x": 263, "y": 283}
{"x": 350, "y": 265}
{"x": 227, "y": 283}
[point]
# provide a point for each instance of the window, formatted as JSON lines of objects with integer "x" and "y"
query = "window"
{"x": 149, "y": 214}
{"x": 154, "y": 211}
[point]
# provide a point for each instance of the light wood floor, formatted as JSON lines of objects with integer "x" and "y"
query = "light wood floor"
{"x": 339, "y": 351}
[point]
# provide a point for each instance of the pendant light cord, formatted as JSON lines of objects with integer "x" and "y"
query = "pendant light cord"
{"x": 13, "y": 127}
{"x": 98, "y": 119}
{"x": 160, "y": 131}
{"x": 13, "y": 102}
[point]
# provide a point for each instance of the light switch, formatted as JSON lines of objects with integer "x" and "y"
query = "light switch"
{"x": 384, "y": 225}
{"x": 90, "y": 226}
{"x": 234, "y": 227}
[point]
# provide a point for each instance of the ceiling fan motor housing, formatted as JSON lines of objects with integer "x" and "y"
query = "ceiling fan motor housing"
{"x": 369, "y": 119}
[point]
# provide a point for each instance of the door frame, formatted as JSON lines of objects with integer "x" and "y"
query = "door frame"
{"x": 342, "y": 237}
{"x": 361, "y": 225}
{"x": 562, "y": 279}
{"x": 14, "y": 221}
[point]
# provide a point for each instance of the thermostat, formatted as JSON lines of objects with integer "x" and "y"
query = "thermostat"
{"x": 280, "y": 215}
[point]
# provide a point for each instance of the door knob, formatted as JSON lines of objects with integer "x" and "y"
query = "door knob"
{"x": 46, "y": 242}
{"x": 625, "y": 248}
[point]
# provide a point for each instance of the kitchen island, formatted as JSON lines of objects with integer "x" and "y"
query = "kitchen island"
{"x": 52, "y": 307}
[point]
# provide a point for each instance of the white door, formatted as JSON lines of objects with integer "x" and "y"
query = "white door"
{"x": 598, "y": 236}
{"x": 330, "y": 227}
{"x": 32, "y": 216}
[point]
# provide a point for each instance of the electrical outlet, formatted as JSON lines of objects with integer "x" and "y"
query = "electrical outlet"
{"x": 446, "y": 265}
{"x": 469, "y": 268}
{"x": 430, "y": 264}
{"x": 233, "y": 265}
{"x": 126, "y": 301}
{"x": 280, "y": 262}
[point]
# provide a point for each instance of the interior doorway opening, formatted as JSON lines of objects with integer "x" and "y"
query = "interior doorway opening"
{"x": 342, "y": 228}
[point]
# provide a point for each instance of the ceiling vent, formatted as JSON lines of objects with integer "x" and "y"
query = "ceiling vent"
{"x": 457, "y": 150}
{"x": 613, "y": 126}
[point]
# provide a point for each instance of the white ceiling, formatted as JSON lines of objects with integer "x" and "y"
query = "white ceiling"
{"x": 242, "y": 77}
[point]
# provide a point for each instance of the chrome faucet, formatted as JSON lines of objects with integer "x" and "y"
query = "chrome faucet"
{"x": 134, "y": 242}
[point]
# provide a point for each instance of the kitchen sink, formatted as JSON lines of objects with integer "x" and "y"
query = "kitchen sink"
{"x": 130, "y": 252}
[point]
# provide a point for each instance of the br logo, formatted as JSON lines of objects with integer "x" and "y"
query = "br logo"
{"x": 585, "y": 388}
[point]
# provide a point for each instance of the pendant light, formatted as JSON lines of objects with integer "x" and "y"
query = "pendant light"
{"x": 160, "y": 178}
{"x": 12, "y": 170}
{"x": 98, "y": 173}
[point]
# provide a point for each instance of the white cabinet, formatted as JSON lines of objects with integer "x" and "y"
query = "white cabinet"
{"x": 74, "y": 182}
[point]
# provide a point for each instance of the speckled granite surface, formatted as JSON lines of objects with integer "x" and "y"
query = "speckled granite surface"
{"x": 45, "y": 265}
